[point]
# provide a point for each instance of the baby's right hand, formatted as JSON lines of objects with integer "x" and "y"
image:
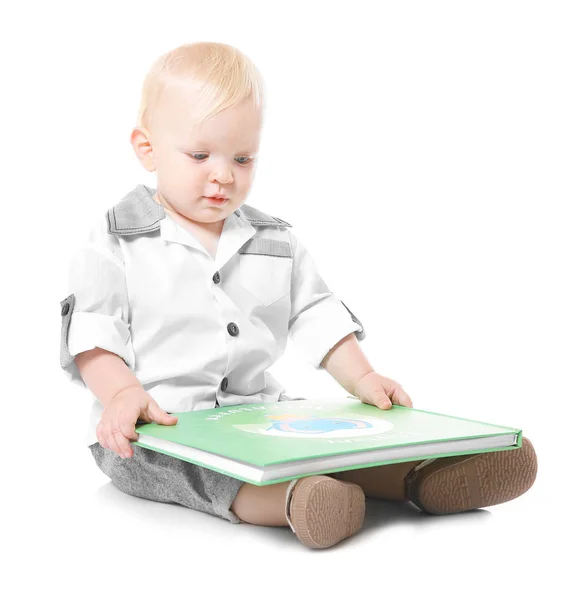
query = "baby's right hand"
{"x": 117, "y": 425}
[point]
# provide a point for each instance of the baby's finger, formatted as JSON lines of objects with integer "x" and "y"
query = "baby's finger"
{"x": 128, "y": 430}
{"x": 157, "y": 414}
{"x": 111, "y": 439}
{"x": 401, "y": 398}
{"x": 122, "y": 443}
{"x": 101, "y": 437}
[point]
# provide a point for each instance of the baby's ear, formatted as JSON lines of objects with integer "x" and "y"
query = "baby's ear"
{"x": 140, "y": 140}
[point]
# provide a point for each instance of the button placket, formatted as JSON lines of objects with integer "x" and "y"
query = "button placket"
{"x": 233, "y": 330}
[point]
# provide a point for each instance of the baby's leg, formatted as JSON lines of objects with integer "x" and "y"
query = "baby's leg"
{"x": 385, "y": 482}
{"x": 265, "y": 505}
{"x": 320, "y": 510}
{"x": 261, "y": 505}
{"x": 155, "y": 476}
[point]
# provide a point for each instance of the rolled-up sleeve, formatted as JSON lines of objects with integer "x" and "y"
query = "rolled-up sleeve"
{"x": 95, "y": 314}
{"x": 318, "y": 318}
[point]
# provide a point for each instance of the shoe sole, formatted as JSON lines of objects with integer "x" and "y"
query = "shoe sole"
{"x": 325, "y": 511}
{"x": 460, "y": 483}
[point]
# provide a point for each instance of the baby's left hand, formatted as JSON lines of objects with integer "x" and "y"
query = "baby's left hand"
{"x": 381, "y": 391}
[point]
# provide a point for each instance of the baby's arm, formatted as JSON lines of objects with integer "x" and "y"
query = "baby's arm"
{"x": 105, "y": 374}
{"x": 96, "y": 347}
{"x": 122, "y": 396}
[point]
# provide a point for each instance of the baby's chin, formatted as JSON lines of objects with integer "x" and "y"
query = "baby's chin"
{"x": 210, "y": 214}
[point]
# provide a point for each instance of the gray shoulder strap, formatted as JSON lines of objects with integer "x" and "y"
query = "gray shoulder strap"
{"x": 136, "y": 213}
{"x": 257, "y": 217}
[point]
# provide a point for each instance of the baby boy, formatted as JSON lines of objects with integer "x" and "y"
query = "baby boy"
{"x": 182, "y": 296}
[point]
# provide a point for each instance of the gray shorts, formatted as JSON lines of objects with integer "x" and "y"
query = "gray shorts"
{"x": 155, "y": 476}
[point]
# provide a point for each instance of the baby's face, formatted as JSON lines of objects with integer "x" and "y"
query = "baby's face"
{"x": 194, "y": 162}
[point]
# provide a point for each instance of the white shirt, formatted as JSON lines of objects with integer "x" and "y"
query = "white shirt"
{"x": 145, "y": 288}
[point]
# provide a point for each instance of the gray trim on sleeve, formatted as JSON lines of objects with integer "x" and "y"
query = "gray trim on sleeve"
{"x": 360, "y": 335}
{"x": 67, "y": 306}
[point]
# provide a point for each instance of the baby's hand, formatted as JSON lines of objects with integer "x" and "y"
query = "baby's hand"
{"x": 381, "y": 391}
{"x": 117, "y": 425}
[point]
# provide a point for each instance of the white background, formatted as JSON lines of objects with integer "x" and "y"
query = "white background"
{"x": 427, "y": 154}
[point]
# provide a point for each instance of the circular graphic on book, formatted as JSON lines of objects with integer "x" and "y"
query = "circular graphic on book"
{"x": 316, "y": 426}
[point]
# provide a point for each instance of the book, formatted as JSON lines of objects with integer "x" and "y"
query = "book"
{"x": 268, "y": 443}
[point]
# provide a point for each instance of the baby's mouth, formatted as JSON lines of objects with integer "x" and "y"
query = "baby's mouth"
{"x": 216, "y": 201}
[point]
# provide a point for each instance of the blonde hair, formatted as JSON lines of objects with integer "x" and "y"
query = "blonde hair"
{"x": 220, "y": 75}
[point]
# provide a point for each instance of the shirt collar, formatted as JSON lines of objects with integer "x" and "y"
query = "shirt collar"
{"x": 139, "y": 213}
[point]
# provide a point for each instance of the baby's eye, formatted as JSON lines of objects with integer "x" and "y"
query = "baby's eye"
{"x": 244, "y": 159}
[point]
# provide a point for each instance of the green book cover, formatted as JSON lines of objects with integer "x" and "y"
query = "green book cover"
{"x": 272, "y": 442}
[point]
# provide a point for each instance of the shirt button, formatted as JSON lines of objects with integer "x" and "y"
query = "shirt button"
{"x": 65, "y": 309}
{"x": 216, "y": 277}
{"x": 233, "y": 329}
{"x": 224, "y": 384}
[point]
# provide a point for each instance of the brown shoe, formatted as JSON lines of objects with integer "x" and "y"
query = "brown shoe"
{"x": 323, "y": 511}
{"x": 459, "y": 483}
